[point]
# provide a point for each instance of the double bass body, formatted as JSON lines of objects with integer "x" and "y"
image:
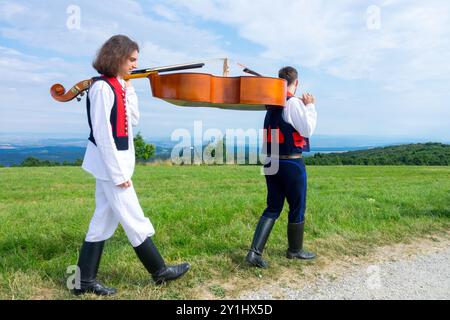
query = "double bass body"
{"x": 206, "y": 90}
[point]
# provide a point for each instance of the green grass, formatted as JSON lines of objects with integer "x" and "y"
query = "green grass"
{"x": 205, "y": 215}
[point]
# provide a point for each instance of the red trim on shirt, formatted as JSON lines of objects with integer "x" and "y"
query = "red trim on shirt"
{"x": 269, "y": 136}
{"x": 122, "y": 122}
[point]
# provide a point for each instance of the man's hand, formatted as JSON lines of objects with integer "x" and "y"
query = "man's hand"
{"x": 125, "y": 185}
{"x": 308, "y": 98}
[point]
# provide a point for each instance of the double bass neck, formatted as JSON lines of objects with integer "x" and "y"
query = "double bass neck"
{"x": 59, "y": 93}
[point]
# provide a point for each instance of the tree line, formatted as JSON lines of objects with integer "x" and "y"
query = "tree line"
{"x": 421, "y": 154}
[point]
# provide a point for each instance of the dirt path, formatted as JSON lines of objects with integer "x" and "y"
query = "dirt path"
{"x": 417, "y": 270}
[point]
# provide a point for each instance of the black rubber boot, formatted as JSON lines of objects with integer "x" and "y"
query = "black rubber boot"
{"x": 88, "y": 263}
{"x": 295, "y": 239}
{"x": 155, "y": 265}
{"x": 262, "y": 232}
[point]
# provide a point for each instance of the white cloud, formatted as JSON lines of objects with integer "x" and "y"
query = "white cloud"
{"x": 21, "y": 69}
{"x": 43, "y": 26}
{"x": 9, "y": 9}
{"x": 411, "y": 45}
{"x": 165, "y": 12}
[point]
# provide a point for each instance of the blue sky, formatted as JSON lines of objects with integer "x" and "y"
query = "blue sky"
{"x": 377, "y": 68}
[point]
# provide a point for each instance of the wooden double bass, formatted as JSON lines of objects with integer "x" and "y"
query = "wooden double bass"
{"x": 191, "y": 89}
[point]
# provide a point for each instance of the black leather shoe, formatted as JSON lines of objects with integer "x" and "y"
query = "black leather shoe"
{"x": 302, "y": 254}
{"x": 256, "y": 260}
{"x": 88, "y": 263}
{"x": 295, "y": 233}
{"x": 96, "y": 288}
{"x": 262, "y": 232}
{"x": 155, "y": 265}
{"x": 170, "y": 273}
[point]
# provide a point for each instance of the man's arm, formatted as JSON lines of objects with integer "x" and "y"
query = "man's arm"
{"x": 102, "y": 99}
{"x": 303, "y": 117}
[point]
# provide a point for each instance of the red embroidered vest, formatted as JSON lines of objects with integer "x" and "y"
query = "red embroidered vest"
{"x": 118, "y": 117}
{"x": 290, "y": 140}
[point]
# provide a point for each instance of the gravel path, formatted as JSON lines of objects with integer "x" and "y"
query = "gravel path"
{"x": 419, "y": 276}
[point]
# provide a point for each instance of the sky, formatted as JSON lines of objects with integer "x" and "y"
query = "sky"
{"x": 376, "y": 68}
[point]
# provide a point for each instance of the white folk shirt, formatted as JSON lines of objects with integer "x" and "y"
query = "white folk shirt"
{"x": 302, "y": 118}
{"x": 104, "y": 161}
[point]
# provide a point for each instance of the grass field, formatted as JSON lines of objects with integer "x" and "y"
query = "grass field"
{"x": 205, "y": 215}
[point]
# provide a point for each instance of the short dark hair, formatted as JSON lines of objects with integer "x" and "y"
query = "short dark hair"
{"x": 113, "y": 53}
{"x": 289, "y": 74}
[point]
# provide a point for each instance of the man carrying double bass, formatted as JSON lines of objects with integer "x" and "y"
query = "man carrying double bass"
{"x": 293, "y": 125}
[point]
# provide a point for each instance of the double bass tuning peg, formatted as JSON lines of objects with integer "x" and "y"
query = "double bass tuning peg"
{"x": 79, "y": 96}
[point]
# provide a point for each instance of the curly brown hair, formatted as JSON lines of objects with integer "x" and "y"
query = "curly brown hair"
{"x": 113, "y": 53}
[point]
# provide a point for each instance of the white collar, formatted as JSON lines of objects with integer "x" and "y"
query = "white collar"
{"x": 122, "y": 82}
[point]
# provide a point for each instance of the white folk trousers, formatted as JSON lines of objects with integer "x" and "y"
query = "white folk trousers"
{"x": 114, "y": 205}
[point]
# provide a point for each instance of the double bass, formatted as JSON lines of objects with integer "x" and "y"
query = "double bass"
{"x": 192, "y": 89}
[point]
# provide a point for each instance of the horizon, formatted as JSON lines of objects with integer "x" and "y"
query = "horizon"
{"x": 320, "y": 141}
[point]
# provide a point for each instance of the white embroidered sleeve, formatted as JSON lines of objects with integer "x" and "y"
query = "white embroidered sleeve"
{"x": 302, "y": 118}
{"x": 102, "y": 99}
{"x": 133, "y": 106}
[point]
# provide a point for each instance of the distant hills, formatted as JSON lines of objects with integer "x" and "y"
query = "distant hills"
{"x": 13, "y": 155}
{"x": 72, "y": 151}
